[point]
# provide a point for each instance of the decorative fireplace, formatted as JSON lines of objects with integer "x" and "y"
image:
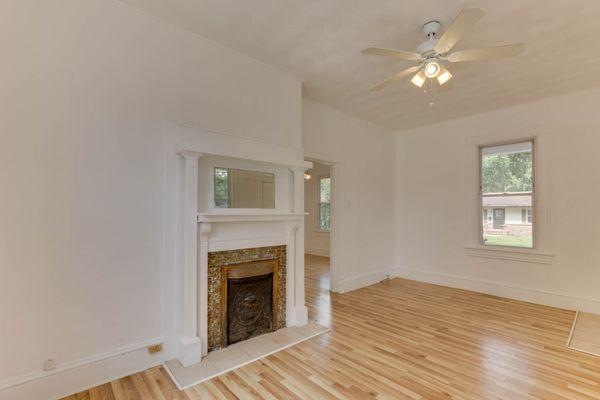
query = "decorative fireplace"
{"x": 208, "y": 238}
{"x": 246, "y": 294}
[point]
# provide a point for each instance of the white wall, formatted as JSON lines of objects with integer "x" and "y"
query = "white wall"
{"x": 316, "y": 242}
{"x": 86, "y": 89}
{"x": 431, "y": 206}
{"x": 367, "y": 155}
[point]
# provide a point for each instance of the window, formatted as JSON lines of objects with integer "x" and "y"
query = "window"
{"x": 526, "y": 216}
{"x": 507, "y": 188}
{"x": 325, "y": 204}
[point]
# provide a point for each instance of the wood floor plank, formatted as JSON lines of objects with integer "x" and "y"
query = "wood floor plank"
{"x": 401, "y": 339}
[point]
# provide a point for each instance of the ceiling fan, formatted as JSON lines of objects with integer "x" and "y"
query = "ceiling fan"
{"x": 431, "y": 53}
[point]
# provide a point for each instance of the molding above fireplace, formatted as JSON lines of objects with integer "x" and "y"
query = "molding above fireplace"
{"x": 203, "y": 141}
{"x": 250, "y": 217}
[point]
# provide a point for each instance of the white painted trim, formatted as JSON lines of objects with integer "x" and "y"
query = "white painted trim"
{"x": 250, "y": 217}
{"x": 317, "y": 252}
{"x": 364, "y": 280}
{"x": 542, "y": 236}
{"x": 63, "y": 367}
{"x": 321, "y": 158}
{"x": 190, "y": 343}
{"x": 224, "y": 145}
{"x": 296, "y": 244}
{"x": 510, "y": 253}
{"x": 560, "y": 300}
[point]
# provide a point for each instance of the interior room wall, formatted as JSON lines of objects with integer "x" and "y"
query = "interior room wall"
{"x": 367, "y": 158}
{"x": 87, "y": 89}
{"x": 431, "y": 186}
{"x": 316, "y": 242}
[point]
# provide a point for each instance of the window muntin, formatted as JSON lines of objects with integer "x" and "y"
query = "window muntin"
{"x": 507, "y": 192}
{"x": 324, "y": 222}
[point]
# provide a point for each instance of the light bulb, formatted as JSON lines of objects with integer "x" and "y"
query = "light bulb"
{"x": 432, "y": 69}
{"x": 307, "y": 176}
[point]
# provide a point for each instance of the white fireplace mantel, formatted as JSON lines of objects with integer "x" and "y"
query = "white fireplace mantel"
{"x": 198, "y": 226}
{"x": 250, "y": 217}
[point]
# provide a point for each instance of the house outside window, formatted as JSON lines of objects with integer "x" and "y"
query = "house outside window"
{"x": 507, "y": 193}
{"x": 324, "y": 215}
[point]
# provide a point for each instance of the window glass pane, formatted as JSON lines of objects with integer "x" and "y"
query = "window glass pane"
{"x": 507, "y": 194}
{"x": 325, "y": 190}
{"x": 325, "y": 204}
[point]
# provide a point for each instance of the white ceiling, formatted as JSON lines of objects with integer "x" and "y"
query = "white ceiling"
{"x": 320, "y": 42}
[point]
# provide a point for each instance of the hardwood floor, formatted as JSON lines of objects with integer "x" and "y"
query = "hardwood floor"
{"x": 401, "y": 340}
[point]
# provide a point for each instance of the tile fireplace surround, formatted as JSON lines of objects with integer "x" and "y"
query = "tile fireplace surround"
{"x": 219, "y": 259}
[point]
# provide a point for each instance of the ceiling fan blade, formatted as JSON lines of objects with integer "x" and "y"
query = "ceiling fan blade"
{"x": 404, "y": 55}
{"x": 459, "y": 27}
{"x": 396, "y": 77}
{"x": 487, "y": 53}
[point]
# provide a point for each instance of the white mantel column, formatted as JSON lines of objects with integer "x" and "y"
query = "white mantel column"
{"x": 300, "y": 310}
{"x": 190, "y": 344}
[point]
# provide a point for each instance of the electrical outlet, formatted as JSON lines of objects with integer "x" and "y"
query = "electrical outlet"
{"x": 155, "y": 348}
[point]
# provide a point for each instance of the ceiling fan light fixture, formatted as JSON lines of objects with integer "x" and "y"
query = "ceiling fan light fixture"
{"x": 430, "y": 55}
{"x": 444, "y": 76}
{"x": 432, "y": 69}
{"x": 418, "y": 79}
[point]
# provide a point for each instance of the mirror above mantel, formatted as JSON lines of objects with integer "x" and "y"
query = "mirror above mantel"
{"x": 239, "y": 188}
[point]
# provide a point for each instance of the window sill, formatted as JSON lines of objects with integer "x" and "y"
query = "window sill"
{"x": 508, "y": 253}
{"x": 321, "y": 232}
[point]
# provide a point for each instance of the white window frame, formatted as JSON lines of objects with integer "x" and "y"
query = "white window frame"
{"x": 318, "y": 208}
{"x": 541, "y": 253}
{"x": 480, "y": 187}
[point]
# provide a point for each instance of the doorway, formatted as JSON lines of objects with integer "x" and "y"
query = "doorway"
{"x": 323, "y": 224}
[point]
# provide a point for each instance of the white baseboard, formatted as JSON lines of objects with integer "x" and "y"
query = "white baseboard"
{"x": 531, "y": 295}
{"x": 81, "y": 374}
{"x": 317, "y": 252}
{"x": 371, "y": 278}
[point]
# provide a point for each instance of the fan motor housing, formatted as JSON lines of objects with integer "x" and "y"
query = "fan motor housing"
{"x": 430, "y": 29}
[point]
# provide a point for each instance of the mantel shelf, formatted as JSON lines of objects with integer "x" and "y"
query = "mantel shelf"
{"x": 250, "y": 217}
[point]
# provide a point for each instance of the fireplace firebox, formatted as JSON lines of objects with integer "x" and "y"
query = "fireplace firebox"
{"x": 249, "y": 297}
